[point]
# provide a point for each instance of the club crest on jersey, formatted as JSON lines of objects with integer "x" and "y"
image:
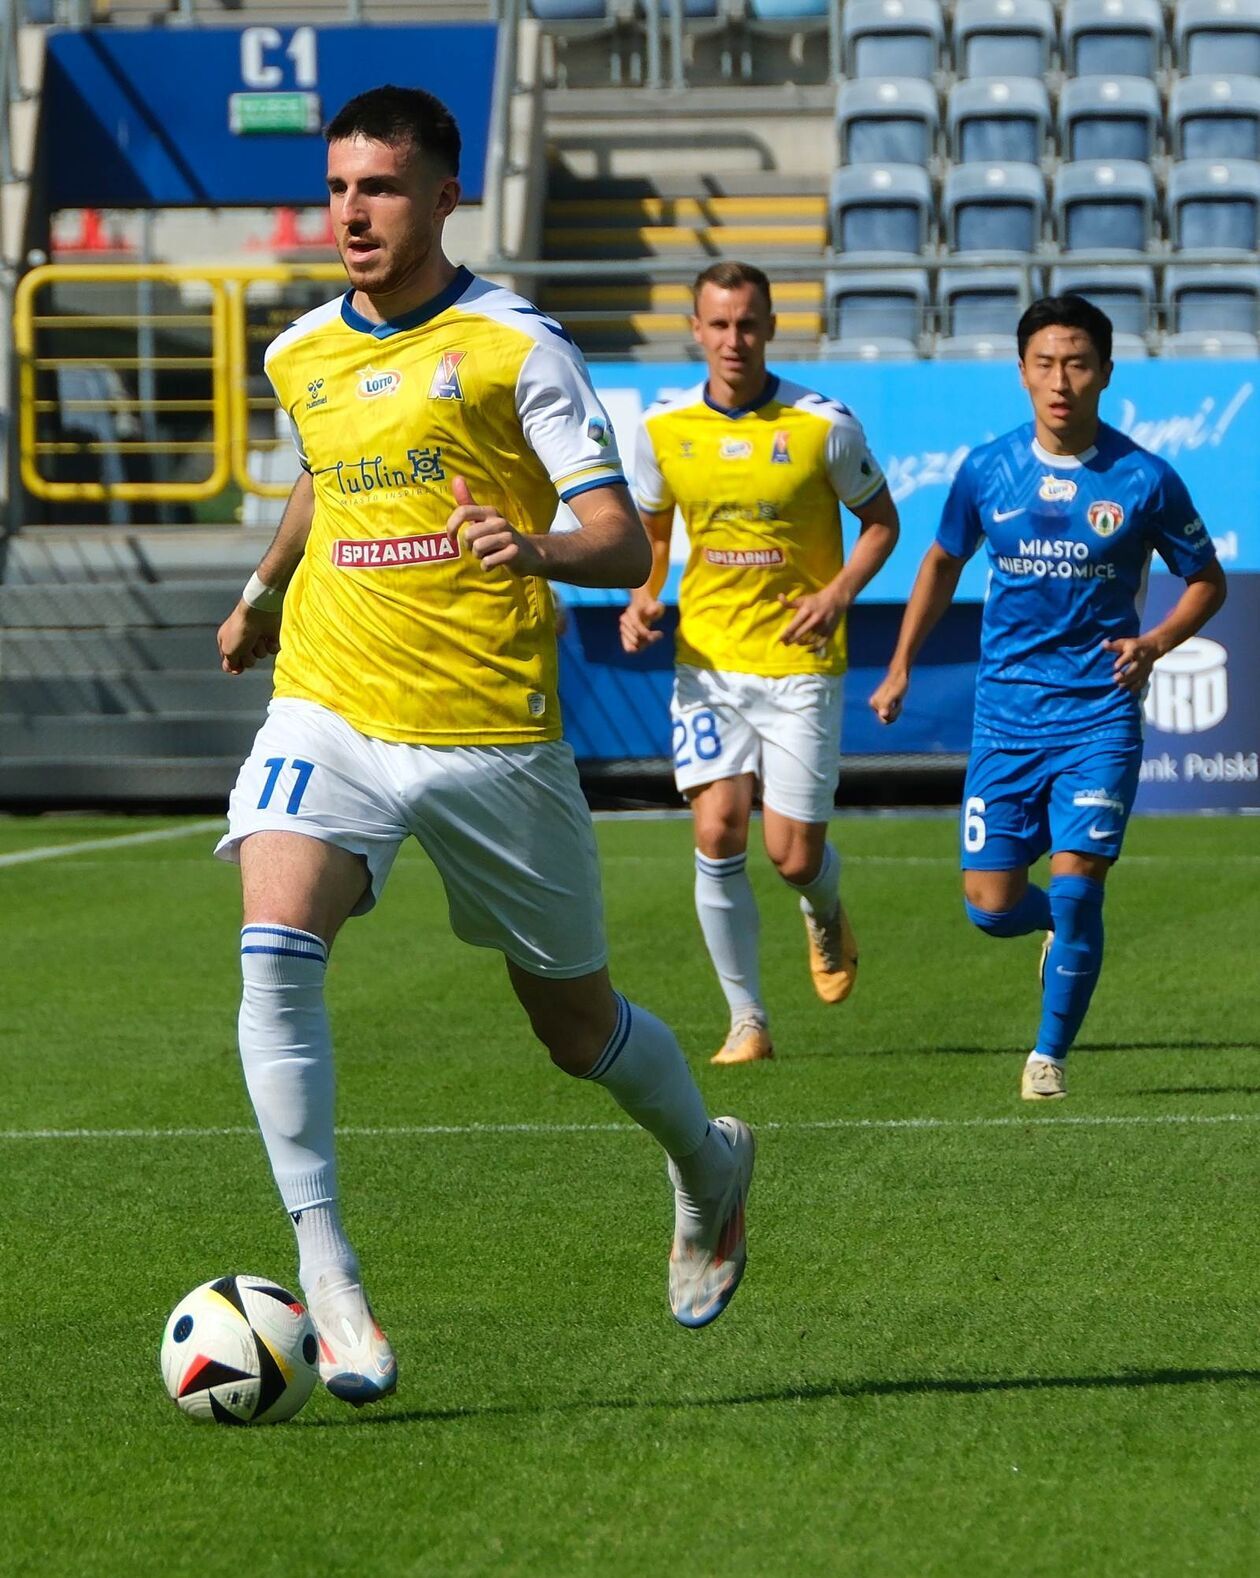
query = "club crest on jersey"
{"x": 1056, "y": 490}
{"x": 735, "y": 449}
{"x": 780, "y": 454}
{"x": 374, "y": 384}
{"x": 1105, "y": 517}
{"x": 446, "y": 384}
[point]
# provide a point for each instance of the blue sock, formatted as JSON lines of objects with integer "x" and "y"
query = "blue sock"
{"x": 1032, "y": 913}
{"x": 1073, "y": 963}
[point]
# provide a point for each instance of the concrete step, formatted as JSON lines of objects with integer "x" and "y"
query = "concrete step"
{"x": 140, "y": 693}
{"x": 567, "y": 211}
{"x": 26, "y": 653}
{"x": 118, "y": 605}
{"x": 90, "y": 737}
{"x": 648, "y": 296}
{"x": 203, "y": 780}
{"x": 662, "y": 240}
{"x": 181, "y": 553}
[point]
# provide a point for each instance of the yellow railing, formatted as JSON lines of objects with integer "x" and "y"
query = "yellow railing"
{"x": 169, "y": 388}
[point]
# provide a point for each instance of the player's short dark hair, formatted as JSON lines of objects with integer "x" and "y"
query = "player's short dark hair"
{"x": 729, "y": 275}
{"x": 1067, "y": 312}
{"x": 397, "y": 116}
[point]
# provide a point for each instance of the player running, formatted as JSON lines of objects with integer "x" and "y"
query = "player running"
{"x": 437, "y": 417}
{"x": 1070, "y": 511}
{"x": 757, "y": 465}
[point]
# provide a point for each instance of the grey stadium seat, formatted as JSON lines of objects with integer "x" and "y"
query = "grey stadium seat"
{"x": 893, "y": 38}
{"x": 1112, "y": 38}
{"x": 1218, "y": 37}
{"x": 1214, "y": 205}
{"x": 1226, "y": 345}
{"x": 592, "y": 42}
{"x": 881, "y": 208}
{"x": 1109, "y": 118}
{"x": 1105, "y": 205}
{"x": 983, "y": 302}
{"x": 1215, "y": 118}
{"x": 1126, "y": 294}
{"x": 889, "y": 120}
{"x": 1206, "y": 300}
{"x": 994, "y": 208}
{"x": 884, "y": 305}
{"x": 991, "y": 118}
{"x": 1003, "y": 38}
{"x": 977, "y": 348}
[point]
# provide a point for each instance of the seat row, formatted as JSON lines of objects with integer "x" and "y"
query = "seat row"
{"x": 1098, "y": 205}
{"x": 897, "y": 119}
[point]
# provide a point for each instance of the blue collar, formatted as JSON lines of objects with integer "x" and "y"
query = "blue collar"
{"x": 764, "y": 398}
{"x": 409, "y": 320}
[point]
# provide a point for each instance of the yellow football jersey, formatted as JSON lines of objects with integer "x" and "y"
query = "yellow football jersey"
{"x": 386, "y": 621}
{"x": 757, "y": 488}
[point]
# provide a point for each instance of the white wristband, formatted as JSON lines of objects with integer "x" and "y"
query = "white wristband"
{"x": 266, "y": 599}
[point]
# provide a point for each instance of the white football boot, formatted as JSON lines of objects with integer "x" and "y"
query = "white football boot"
{"x": 1043, "y": 1079}
{"x": 356, "y": 1362}
{"x": 706, "y": 1267}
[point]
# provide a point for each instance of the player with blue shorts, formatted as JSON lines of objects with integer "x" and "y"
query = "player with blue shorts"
{"x": 1070, "y": 511}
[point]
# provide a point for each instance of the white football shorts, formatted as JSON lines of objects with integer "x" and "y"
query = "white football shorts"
{"x": 785, "y": 731}
{"x": 506, "y": 826}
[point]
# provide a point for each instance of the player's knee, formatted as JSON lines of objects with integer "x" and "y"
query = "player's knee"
{"x": 574, "y": 1034}
{"x": 995, "y": 923}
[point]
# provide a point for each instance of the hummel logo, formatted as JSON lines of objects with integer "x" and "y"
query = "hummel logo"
{"x": 1101, "y": 832}
{"x": 1005, "y": 515}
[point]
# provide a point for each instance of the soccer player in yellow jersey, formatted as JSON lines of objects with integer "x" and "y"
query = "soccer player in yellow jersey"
{"x": 437, "y": 418}
{"x": 758, "y": 466}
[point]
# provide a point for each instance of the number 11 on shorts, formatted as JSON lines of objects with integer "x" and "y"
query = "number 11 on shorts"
{"x": 275, "y": 765}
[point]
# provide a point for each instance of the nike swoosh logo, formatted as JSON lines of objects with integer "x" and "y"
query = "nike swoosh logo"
{"x": 1106, "y": 832}
{"x": 1005, "y": 515}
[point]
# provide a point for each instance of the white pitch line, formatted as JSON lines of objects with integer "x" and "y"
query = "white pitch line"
{"x": 406, "y": 1131}
{"x": 156, "y": 835}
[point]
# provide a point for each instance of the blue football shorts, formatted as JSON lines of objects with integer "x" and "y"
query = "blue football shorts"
{"x": 1020, "y": 804}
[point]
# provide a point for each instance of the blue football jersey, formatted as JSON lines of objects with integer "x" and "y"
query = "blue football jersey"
{"x": 1069, "y": 540}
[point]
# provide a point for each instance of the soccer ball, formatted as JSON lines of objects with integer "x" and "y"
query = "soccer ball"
{"x": 240, "y": 1351}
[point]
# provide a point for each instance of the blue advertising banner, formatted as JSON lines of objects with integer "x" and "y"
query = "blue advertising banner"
{"x": 182, "y": 117}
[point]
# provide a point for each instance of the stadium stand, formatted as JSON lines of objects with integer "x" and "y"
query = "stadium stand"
{"x": 893, "y": 38}
{"x": 993, "y": 209}
{"x": 1125, "y": 293}
{"x": 1214, "y": 206}
{"x": 1215, "y": 118}
{"x": 1109, "y": 118}
{"x": 993, "y": 119}
{"x": 1113, "y": 38}
{"x": 881, "y": 209}
{"x": 1105, "y": 205}
{"x": 876, "y": 315}
{"x": 1218, "y": 37}
{"x": 1003, "y": 38}
{"x": 887, "y": 120}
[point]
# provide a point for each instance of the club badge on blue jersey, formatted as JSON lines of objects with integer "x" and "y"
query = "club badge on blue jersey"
{"x": 446, "y": 384}
{"x": 1105, "y": 518}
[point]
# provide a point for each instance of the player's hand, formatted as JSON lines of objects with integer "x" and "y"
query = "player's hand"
{"x": 814, "y": 618}
{"x": 886, "y": 700}
{"x": 1135, "y": 658}
{"x": 246, "y": 636}
{"x": 637, "y": 619}
{"x": 493, "y": 540}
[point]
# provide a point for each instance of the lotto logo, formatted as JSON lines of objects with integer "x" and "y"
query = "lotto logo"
{"x": 1056, "y": 490}
{"x": 373, "y": 384}
{"x": 1189, "y": 689}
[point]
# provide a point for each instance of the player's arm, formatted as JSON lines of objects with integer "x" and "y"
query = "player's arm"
{"x": 252, "y": 630}
{"x": 931, "y": 595}
{"x": 816, "y": 615}
{"x": 645, "y": 608}
{"x": 1136, "y": 656}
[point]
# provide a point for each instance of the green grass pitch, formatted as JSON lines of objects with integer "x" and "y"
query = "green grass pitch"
{"x": 975, "y": 1338}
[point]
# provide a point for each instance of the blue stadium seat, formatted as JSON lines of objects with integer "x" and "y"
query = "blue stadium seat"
{"x": 977, "y": 348}
{"x": 1127, "y": 295}
{"x": 1206, "y": 300}
{"x": 885, "y": 306}
{"x": 1218, "y": 37}
{"x": 983, "y": 302}
{"x": 994, "y": 208}
{"x": 993, "y": 119}
{"x": 1226, "y": 345}
{"x": 591, "y": 42}
{"x": 1214, "y": 205}
{"x": 780, "y": 40}
{"x": 1109, "y": 118}
{"x": 1105, "y": 205}
{"x": 1215, "y": 118}
{"x": 1003, "y": 38}
{"x": 893, "y": 120}
{"x": 893, "y": 38}
{"x": 1112, "y": 38}
{"x": 881, "y": 208}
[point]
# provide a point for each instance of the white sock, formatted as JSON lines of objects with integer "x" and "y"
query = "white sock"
{"x": 731, "y": 926}
{"x": 1043, "y": 1057}
{"x": 286, "y": 1055}
{"x": 820, "y": 897}
{"x": 644, "y": 1071}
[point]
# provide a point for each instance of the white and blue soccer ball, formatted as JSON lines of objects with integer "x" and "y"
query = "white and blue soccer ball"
{"x": 240, "y": 1351}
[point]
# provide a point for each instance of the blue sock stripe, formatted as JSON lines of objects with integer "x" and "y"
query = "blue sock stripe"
{"x": 287, "y": 940}
{"x": 1085, "y": 889}
{"x": 728, "y": 866}
{"x": 616, "y": 1042}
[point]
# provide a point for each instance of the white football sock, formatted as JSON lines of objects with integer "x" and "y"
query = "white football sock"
{"x": 820, "y": 897}
{"x": 644, "y": 1071}
{"x": 286, "y": 1055}
{"x": 731, "y": 926}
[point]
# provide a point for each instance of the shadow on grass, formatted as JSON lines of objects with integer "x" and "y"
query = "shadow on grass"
{"x": 1009, "y": 1049}
{"x": 1196, "y": 1090}
{"x": 820, "y": 1392}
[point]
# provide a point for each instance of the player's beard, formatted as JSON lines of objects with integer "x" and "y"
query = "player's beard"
{"x": 391, "y": 270}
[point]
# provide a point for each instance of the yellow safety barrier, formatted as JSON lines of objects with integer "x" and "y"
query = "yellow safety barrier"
{"x": 170, "y": 389}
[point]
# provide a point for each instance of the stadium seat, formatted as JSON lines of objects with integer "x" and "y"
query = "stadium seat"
{"x": 881, "y": 208}
{"x": 1214, "y": 205}
{"x": 784, "y": 41}
{"x": 1206, "y": 300}
{"x": 1215, "y": 118}
{"x": 893, "y": 38}
{"x": 591, "y": 42}
{"x": 977, "y": 348}
{"x": 983, "y": 302}
{"x": 1199, "y": 347}
{"x": 1003, "y": 38}
{"x": 992, "y": 119}
{"x": 886, "y": 306}
{"x": 1112, "y": 38}
{"x": 994, "y": 208}
{"x": 1105, "y": 205}
{"x": 889, "y": 121}
{"x": 1127, "y": 294}
{"x": 1109, "y": 118}
{"x": 1218, "y": 37}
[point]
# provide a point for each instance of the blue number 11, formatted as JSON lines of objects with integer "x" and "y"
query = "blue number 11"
{"x": 275, "y": 765}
